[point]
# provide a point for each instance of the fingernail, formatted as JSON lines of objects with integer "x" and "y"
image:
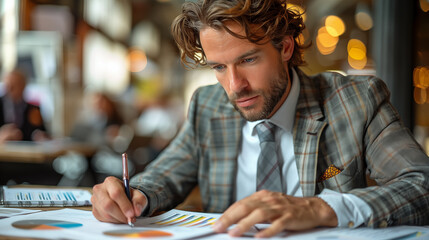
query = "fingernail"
{"x": 129, "y": 213}
{"x": 217, "y": 227}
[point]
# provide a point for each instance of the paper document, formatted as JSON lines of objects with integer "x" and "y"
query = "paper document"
{"x": 390, "y": 233}
{"x": 80, "y": 224}
{"x": 9, "y": 212}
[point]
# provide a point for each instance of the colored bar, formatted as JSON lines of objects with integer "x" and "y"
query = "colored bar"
{"x": 193, "y": 221}
{"x": 187, "y": 218}
{"x": 173, "y": 220}
{"x": 166, "y": 219}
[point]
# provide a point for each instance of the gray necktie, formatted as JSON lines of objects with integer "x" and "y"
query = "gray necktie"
{"x": 269, "y": 166}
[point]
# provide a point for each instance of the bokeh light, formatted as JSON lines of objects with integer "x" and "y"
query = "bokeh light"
{"x": 421, "y": 85}
{"x": 137, "y": 60}
{"x": 424, "y": 5}
{"x": 424, "y": 77}
{"x": 357, "y": 64}
{"x": 364, "y": 21}
{"x": 356, "y": 50}
{"x": 427, "y": 94}
{"x": 420, "y": 95}
{"x": 325, "y": 42}
{"x": 334, "y": 25}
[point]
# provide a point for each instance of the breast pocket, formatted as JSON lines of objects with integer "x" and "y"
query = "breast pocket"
{"x": 350, "y": 177}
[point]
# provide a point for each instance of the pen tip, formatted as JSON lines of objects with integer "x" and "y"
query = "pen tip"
{"x": 130, "y": 224}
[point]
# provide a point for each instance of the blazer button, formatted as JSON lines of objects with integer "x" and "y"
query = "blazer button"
{"x": 351, "y": 224}
{"x": 383, "y": 224}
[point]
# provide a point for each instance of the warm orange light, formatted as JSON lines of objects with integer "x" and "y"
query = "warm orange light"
{"x": 427, "y": 97}
{"x": 421, "y": 85}
{"x": 325, "y": 43}
{"x": 424, "y": 77}
{"x": 421, "y": 77}
{"x": 327, "y": 40}
{"x": 137, "y": 60}
{"x": 356, "y": 50}
{"x": 355, "y": 43}
{"x": 416, "y": 77}
{"x": 420, "y": 95}
{"x": 357, "y": 53}
{"x": 424, "y": 5}
{"x": 334, "y": 25}
{"x": 324, "y": 50}
{"x": 357, "y": 63}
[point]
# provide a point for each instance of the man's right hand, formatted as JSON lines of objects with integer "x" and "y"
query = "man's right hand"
{"x": 110, "y": 203}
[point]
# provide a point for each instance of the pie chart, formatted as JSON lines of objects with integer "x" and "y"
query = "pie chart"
{"x": 136, "y": 233}
{"x": 43, "y": 224}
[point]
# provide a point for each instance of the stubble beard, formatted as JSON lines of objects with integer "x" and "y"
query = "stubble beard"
{"x": 270, "y": 98}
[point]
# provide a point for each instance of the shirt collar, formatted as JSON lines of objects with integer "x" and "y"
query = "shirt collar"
{"x": 285, "y": 115}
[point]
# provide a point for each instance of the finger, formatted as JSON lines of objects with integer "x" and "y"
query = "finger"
{"x": 275, "y": 228}
{"x": 256, "y": 216}
{"x": 104, "y": 208}
{"x": 104, "y": 216}
{"x": 116, "y": 192}
{"x": 139, "y": 201}
{"x": 233, "y": 214}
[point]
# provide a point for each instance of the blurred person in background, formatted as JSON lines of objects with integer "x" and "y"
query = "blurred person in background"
{"x": 19, "y": 120}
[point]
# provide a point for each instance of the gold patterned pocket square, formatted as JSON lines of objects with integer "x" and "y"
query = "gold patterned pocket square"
{"x": 332, "y": 171}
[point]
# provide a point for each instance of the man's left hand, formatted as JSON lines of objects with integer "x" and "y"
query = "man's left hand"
{"x": 282, "y": 211}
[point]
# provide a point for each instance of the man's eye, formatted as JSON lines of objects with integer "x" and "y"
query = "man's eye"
{"x": 248, "y": 60}
{"x": 218, "y": 67}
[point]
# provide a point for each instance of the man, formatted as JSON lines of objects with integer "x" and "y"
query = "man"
{"x": 330, "y": 130}
{"x": 19, "y": 120}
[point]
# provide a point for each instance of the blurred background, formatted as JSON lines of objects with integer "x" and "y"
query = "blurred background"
{"x": 107, "y": 76}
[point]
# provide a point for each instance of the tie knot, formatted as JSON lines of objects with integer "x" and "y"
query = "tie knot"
{"x": 266, "y": 131}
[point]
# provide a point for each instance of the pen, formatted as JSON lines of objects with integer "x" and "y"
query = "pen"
{"x": 126, "y": 181}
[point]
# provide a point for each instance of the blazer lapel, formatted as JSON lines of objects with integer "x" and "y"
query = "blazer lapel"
{"x": 307, "y": 130}
{"x": 225, "y": 138}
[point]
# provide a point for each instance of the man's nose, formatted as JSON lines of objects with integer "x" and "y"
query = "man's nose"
{"x": 237, "y": 80}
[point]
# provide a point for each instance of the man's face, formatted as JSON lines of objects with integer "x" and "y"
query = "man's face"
{"x": 254, "y": 76}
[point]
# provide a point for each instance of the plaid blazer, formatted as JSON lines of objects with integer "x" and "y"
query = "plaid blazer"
{"x": 346, "y": 121}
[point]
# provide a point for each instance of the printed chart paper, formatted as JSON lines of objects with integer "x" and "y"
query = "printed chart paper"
{"x": 79, "y": 224}
{"x": 174, "y": 224}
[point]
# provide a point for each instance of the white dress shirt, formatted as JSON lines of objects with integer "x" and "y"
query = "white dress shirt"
{"x": 351, "y": 210}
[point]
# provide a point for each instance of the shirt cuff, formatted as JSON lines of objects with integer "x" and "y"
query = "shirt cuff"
{"x": 351, "y": 210}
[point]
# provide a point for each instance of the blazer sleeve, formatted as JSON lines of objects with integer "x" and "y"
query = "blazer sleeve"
{"x": 170, "y": 178}
{"x": 396, "y": 162}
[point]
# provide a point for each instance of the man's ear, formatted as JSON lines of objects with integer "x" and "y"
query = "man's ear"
{"x": 287, "y": 49}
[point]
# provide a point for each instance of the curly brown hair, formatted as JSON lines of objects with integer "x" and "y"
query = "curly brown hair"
{"x": 271, "y": 16}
